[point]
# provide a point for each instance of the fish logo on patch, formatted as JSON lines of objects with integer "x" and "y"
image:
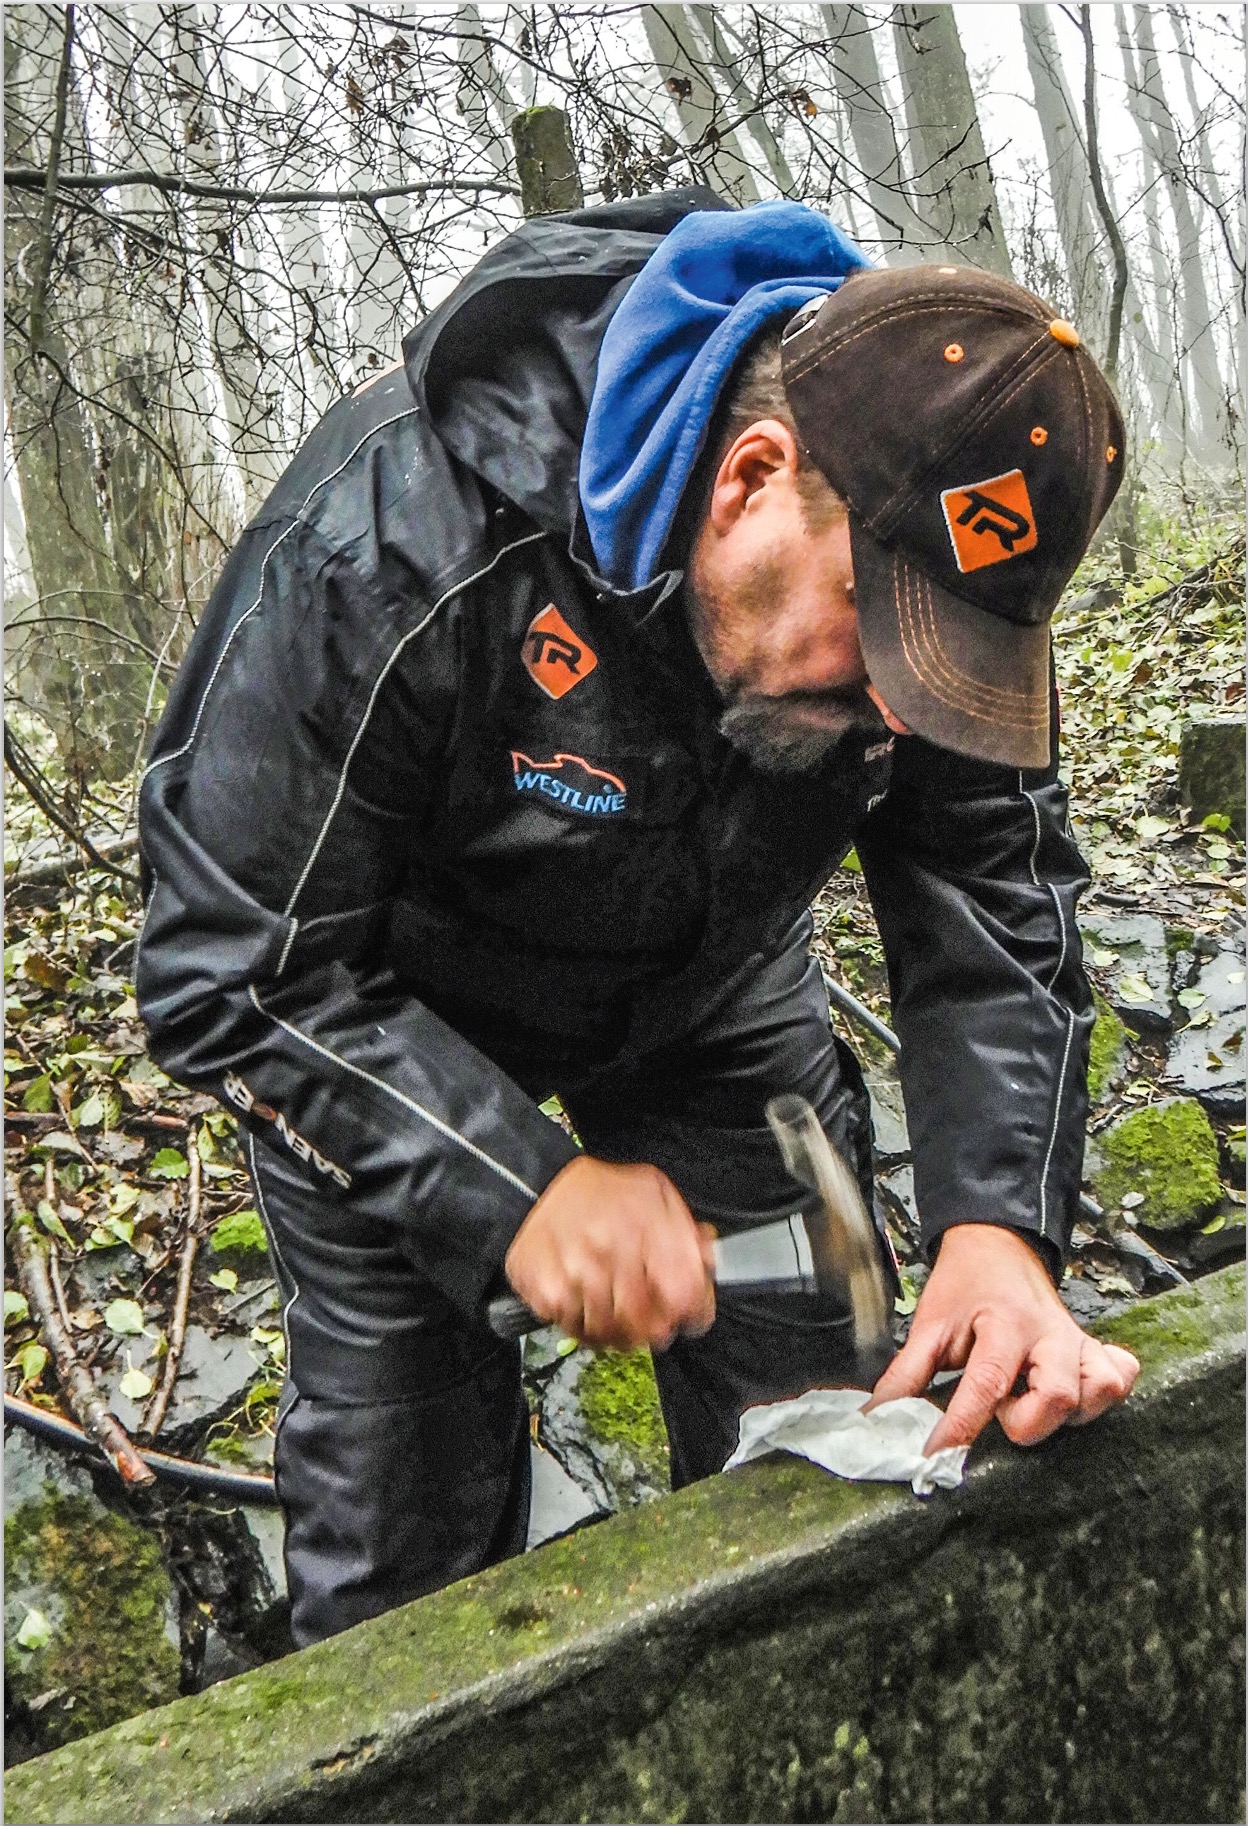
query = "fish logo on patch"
{"x": 569, "y": 780}
{"x": 990, "y": 521}
{"x": 555, "y": 656}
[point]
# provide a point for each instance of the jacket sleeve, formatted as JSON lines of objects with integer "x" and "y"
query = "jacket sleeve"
{"x": 278, "y": 817}
{"x": 974, "y": 878}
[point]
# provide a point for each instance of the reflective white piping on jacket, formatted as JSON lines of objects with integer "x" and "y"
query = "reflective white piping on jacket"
{"x": 1057, "y": 1117}
{"x": 443, "y": 1128}
{"x": 1056, "y": 897}
{"x": 411, "y": 634}
{"x": 189, "y": 743}
{"x": 276, "y": 1246}
{"x": 1070, "y": 1017}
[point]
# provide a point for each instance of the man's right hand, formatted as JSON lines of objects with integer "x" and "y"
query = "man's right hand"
{"x": 612, "y": 1255}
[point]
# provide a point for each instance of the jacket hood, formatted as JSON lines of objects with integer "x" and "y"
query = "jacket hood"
{"x": 505, "y": 366}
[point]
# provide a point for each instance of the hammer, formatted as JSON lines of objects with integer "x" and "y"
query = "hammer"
{"x": 832, "y": 1250}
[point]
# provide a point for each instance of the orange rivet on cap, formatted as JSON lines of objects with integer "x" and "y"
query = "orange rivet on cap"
{"x": 1039, "y": 435}
{"x": 954, "y": 352}
{"x": 1110, "y": 454}
{"x": 1064, "y": 332}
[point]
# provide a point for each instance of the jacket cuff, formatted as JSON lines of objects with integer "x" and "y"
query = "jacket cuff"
{"x": 471, "y": 1279}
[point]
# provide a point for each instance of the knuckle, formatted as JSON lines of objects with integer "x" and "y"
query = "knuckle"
{"x": 991, "y": 1381}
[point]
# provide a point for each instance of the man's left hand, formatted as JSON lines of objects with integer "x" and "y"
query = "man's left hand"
{"x": 990, "y": 1309}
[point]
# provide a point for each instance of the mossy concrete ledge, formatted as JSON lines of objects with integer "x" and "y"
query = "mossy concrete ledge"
{"x": 1061, "y": 1639}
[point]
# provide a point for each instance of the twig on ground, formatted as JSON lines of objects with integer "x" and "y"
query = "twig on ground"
{"x": 39, "y": 1120}
{"x": 54, "y": 1275}
{"x": 154, "y": 1413}
{"x": 84, "y": 1399}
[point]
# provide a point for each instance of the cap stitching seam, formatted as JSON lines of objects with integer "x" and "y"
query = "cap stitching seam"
{"x": 931, "y": 631}
{"x": 928, "y": 674}
{"x": 928, "y": 661}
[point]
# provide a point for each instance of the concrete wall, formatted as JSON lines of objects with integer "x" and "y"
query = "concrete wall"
{"x": 1059, "y": 1640}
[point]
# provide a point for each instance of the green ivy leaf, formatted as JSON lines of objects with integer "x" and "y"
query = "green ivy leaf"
{"x": 51, "y": 1222}
{"x": 169, "y": 1164}
{"x": 31, "y": 1362}
{"x": 90, "y": 1114}
{"x": 225, "y": 1279}
{"x": 1216, "y": 821}
{"x": 38, "y": 1098}
{"x": 16, "y": 1308}
{"x": 124, "y": 1317}
{"x": 134, "y": 1385}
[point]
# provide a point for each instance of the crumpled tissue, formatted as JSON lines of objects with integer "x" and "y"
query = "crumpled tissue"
{"x": 829, "y": 1427}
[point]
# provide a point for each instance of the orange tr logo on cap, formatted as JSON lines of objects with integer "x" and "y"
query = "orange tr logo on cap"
{"x": 990, "y": 521}
{"x": 555, "y": 656}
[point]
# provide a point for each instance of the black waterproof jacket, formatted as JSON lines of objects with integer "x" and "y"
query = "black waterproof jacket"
{"x": 399, "y": 891}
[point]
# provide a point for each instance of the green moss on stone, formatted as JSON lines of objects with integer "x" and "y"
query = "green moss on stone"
{"x": 1164, "y": 1332}
{"x": 1178, "y": 938}
{"x": 101, "y": 1583}
{"x": 619, "y": 1399}
{"x": 241, "y": 1234}
{"x": 1170, "y": 1154}
{"x": 1109, "y": 1041}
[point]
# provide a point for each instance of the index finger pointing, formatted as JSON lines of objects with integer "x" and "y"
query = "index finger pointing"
{"x": 989, "y": 1376}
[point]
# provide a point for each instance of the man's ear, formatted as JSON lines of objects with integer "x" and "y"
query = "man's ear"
{"x": 764, "y": 454}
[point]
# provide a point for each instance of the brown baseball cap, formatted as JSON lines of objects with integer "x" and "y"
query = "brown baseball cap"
{"x": 977, "y": 446}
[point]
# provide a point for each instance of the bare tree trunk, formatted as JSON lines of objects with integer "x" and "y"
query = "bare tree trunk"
{"x": 856, "y": 73}
{"x": 952, "y": 184}
{"x": 714, "y": 149}
{"x": 724, "y": 59}
{"x": 75, "y": 672}
{"x": 1214, "y": 442}
{"x": 232, "y": 309}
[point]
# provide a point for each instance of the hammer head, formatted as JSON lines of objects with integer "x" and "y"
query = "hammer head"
{"x": 843, "y": 1243}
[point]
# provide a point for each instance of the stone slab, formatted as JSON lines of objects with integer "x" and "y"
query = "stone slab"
{"x": 1137, "y": 941}
{"x": 1207, "y": 1060}
{"x": 1059, "y": 1639}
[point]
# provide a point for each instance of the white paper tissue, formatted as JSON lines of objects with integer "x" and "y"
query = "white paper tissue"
{"x": 829, "y": 1427}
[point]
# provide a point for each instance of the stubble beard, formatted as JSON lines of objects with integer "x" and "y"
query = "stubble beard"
{"x": 772, "y": 732}
{"x": 775, "y": 738}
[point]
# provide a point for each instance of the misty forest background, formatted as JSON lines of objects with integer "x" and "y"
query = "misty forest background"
{"x": 219, "y": 219}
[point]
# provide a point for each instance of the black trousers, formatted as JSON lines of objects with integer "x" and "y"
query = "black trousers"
{"x": 402, "y": 1456}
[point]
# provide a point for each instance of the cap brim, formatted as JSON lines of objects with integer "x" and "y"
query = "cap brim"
{"x": 956, "y": 675}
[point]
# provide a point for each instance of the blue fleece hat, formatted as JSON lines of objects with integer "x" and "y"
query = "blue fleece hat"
{"x": 697, "y": 303}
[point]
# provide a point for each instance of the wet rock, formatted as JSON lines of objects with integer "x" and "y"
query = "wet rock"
{"x": 889, "y": 1134}
{"x": 1169, "y": 1154}
{"x": 897, "y": 1191}
{"x": 101, "y": 1275}
{"x": 1085, "y": 1301}
{"x": 221, "y": 1658}
{"x": 212, "y": 1381}
{"x": 90, "y": 1612}
{"x": 1131, "y": 950}
{"x": 600, "y": 1417}
{"x": 558, "y": 1503}
{"x": 1211, "y": 769}
{"x": 1218, "y": 1243}
{"x": 1207, "y": 1055}
{"x": 268, "y": 1532}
